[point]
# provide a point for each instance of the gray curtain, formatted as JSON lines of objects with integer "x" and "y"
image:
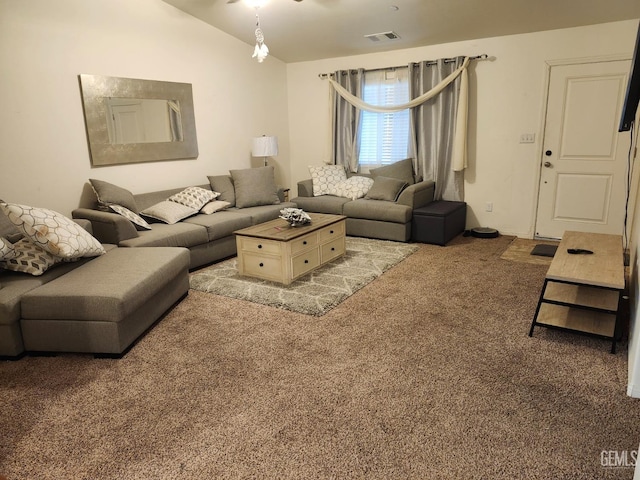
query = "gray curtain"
{"x": 346, "y": 119}
{"x": 433, "y": 126}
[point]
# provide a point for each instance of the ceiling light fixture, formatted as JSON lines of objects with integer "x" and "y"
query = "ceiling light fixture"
{"x": 261, "y": 50}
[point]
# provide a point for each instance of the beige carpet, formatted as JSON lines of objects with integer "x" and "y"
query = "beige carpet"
{"x": 425, "y": 373}
{"x": 316, "y": 293}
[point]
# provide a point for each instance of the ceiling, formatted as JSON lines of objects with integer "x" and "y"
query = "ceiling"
{"x": 315, "y": 29}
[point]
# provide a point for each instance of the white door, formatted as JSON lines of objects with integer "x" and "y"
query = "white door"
{"x": 584, "y": 158}
{"x": 128, "y": 121}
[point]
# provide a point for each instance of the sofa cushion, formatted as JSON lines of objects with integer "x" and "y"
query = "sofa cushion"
{"x": 402, "y": 170}
{"x": 265, "y": 213}
{"x": 52, "y": 231}
{"x": 323, "y": 204}
{"x": 108, "y": 193}
{"x": 223, "y": 184}
{"x": 7, "y": 250}
{"x": 133, "y": 217}
{"x": 378, "y": 210}
{"x": 30, "y": 258}
{"x": 169, "y": 212}
{"x": 353, "y": 187}
{"x": 214, "y": 206}
{"x": 181, "y": 234}
{"x": 386, "y": 188}
{"x": 132, "y": 277}
{"x": 324, "y": 177}
{"x": 194, "y": 197}
{"x": 255, "y": 186}
{"x": 222, "y": 224}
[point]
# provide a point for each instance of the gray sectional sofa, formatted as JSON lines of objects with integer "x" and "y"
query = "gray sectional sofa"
{"x": 209, "y": 238}
{"x": 99, "y": 305}
{"x": 385, "y": 212}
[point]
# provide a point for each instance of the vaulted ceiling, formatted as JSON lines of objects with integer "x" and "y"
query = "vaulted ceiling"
{"x": 313, "y": 29}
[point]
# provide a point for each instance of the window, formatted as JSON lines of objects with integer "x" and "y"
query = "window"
{"x": 384, "y": 137}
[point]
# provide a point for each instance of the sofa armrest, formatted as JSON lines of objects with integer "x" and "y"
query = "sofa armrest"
{"x": 417, "y": 195}
{"x": 107, "y": 227}
{"x": 305, "y": 188}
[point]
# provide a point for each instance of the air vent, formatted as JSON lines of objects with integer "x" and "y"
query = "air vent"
{"x": 376, "y": 37}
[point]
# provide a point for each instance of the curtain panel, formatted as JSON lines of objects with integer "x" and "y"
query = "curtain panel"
{"x": 439, "y": 126}
{"x": 346, "y": 119}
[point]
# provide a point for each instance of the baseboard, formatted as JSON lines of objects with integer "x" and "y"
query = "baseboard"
{"x": 633, "y": 391}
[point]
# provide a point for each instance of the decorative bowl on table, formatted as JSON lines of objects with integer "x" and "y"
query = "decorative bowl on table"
{"x": 295, "y": 216}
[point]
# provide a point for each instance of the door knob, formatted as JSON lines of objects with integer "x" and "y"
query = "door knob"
{"x": 548, "y": 153}
{"x": 548, "y": 164}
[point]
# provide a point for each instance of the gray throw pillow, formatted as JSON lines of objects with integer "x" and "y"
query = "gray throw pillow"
{"x": 223, "y": 184}
{"x": 386, "y": 188}
{"x": 255, "y": 186}
{"x": 402, "y": 170}
{"x": 108, "y": 194}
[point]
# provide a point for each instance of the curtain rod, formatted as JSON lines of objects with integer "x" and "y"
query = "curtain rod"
{"x": 484, "y": 56}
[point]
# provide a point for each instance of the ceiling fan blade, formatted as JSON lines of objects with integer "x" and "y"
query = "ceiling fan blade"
{"x": 232, "y": 1}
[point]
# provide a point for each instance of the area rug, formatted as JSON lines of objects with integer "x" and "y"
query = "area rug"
{"x": 319, "y": 291}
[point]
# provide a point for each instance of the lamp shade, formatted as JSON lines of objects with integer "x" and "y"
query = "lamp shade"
{"x": 265, "y": 146}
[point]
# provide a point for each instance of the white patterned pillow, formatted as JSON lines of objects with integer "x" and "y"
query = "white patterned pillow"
{"x": 7, "y": 250}
{"x": 194, "y": 197}
{"x": 325, "y": 177}
{"x": 52, "y": 231}
{"x": 131, "y": 216}
{"x": 354, "y": 187}
{"x": 168, "y": 212}
{"x": 214, "y": 206}
{"x": 30, "y": 258}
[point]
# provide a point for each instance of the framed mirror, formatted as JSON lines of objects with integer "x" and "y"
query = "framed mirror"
{"x": 131, "y": 120}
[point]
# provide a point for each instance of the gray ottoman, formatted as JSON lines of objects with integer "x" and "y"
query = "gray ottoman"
{"x": 103, "y": 306}
{"x": 438, "y": 222}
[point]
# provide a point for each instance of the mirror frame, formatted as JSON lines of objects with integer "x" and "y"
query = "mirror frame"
{"x": 95, "y": 89}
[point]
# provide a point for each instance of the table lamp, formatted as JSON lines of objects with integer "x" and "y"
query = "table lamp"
{"x": 264, "y": 147}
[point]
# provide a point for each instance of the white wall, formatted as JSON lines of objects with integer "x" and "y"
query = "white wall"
{"x": 506, "y": 100}
{"x": 44, "y": 45}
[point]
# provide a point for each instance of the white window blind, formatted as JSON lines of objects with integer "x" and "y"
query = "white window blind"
{"x": 384, "y": 137}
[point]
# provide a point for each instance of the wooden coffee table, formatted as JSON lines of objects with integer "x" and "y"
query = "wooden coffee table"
{"x": 281, "y": 253}
{"x": 583, "y": 292}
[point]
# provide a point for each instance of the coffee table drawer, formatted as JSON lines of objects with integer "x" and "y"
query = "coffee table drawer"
{"x": 335, "y": 230}
{"x": 305, "y": 262}
{"x": 332, "y": 249}
{"x": 258, "y": 245}
{"x": 262, "y": 266}
{"x": 303, "y": 243}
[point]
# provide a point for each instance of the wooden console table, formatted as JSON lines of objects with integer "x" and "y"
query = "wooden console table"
{"x": 583, "y": 292}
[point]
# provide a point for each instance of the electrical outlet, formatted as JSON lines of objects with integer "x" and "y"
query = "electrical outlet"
{"x": 528, "y": 138}
{"x": 488, "y": 207}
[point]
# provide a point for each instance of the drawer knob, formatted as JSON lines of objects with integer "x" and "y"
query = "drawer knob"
{"x": 261, "y": 264}
{"x": 333, "y": 249}
{"x": 304, "y": 242}
{"x": 306, "y": 261}
{"x": 330, "y": 231}
{"x": 259, "y": 246}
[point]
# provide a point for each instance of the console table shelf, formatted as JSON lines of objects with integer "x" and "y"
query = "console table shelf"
{"x": 583, "y": 292}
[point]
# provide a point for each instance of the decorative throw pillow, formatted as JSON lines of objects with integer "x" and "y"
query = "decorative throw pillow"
{"x": 52, "y": 231}
{"x": 354, "y": 187}
{"x": 402, "y": 170}
{"x": 107, "y": 193}
{"x": 7, "y": 249}
{"x": 194, "y": 197}
{"x": 255, "y": 186}
{"x": 223, "y": 184}
{"x": 385, "y": 188}
{"x": 30, "y": 258}
{"x": 168, "y": 212}
{"x": 134, "y": 218}
{"x": 326, "y": 176}
{"x": 214, "y": 206}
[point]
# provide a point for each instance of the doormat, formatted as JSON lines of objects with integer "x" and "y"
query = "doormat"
{"x": 544, "y": 250}
{"x": 315, "y": 293}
